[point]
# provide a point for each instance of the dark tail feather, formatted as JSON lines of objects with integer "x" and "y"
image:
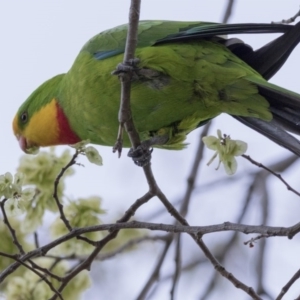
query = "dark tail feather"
{"x": 284, "y": 105}
{"x": 274, "y": 131}
{"x": 271, "y": 57}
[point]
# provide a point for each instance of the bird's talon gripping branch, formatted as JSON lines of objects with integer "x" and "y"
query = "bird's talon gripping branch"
{"x": 128, "y": 66}
{"x": 118, "y": 147}
{"x": 141, "y": 155}
{"x": 119, "y": 142}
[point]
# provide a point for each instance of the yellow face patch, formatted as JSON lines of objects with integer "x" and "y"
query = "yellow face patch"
{"x": 15, "y": 125}
{"x": 42, "y": 128}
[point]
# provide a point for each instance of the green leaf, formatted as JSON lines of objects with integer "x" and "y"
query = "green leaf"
{"x": 93, "y": 155}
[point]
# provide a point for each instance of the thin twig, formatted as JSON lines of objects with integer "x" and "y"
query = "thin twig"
{"x": 285, "y": 289}
{"x": 237, "y": 283}
{"x": 228, "y": 11}
{"x": 155, "y": 274}
{"x": 86, "y": 264}
{"x": 188, "y": 267}
{"x": 36, "y": 240}
{"x": 197, "y": 238}
{"x": 185, "y": 204}
{"x": 45, "y": 270}
{"x": 178, "y": 266}
{"x": 272, "y": 172}
{"x": 229, "y": 244}
{"x": 55, "y": 192}
{"x": 120, "y": 250}
{"x": 288, "y": 21}
{"x": 43, "y": 278}
{"x": 194, "y": 171}
{"x": 59, "y": 204}
{"x": 11, "y": 230}
{"x": 260, "y": 262}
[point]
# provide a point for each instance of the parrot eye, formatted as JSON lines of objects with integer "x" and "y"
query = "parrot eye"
{"x": 24, "y": 117}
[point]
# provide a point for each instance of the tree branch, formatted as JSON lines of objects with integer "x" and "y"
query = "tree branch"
{"x": 285, "y": 289}
{"x": 228, "y": 11}
{"x": 155, "y": 274}
{"x": 11, "y": 230}
{"x": 43, "y": 277}
{"x": 125, "y": 118}
{"x": 260, "y": 165}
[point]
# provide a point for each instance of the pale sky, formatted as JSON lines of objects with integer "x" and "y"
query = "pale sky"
{"x": 40, "y": 39}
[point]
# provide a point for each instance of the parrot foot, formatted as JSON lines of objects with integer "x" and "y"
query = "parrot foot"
{"x": 141, "y": 155}
{"x": 125, "y": 67}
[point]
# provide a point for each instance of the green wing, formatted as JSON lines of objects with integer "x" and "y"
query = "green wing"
{"x": 112, "y": 42}
{"x": 266, "y": 61}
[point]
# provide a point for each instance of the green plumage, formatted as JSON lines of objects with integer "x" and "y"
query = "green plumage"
{"x": 183, "y": 80}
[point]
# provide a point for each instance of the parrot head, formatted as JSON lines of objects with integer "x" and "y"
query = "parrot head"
{"x": 41, "y": 121}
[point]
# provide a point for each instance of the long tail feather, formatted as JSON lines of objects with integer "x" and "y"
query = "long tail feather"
{"x": 212, "y": 30}
{"x": 285, "y": 107}
{"x": 274, "y": 131}
{"x": 271, "y": 57}
{"x": 284, "y": 104}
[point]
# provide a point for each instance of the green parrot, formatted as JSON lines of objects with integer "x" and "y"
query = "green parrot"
{"x": 186, "y": 74}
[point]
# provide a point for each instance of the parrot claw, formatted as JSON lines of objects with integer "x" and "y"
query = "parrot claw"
{"x": 125, "y": 67}
{"x": 141, "y": 155}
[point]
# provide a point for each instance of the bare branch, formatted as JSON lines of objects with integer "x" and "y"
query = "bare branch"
{"x": 36, "y": 240}
{"x": 229, "y": 244}
{"x": 178, "y": 266}
{"x": 86, "y": 264}
{"x": 228, "y": 11}
{"x": 11, "y": 230}
{"x": 193, "y": 174}
{"x": 43, "y": 278}
{"x": 272, "y": 172}
{"x": 260, "y": 270}
{"x": 120, "y": 250}
{"x": 185, "y": 204}
{"x": 55, "y": 193}
{"x": 285, "y": 289}
{"x": 59, "y": 204}
{"x": 268, "y": 231}
{"x": 155, "y": 274}
{"x": 288, "y": 21}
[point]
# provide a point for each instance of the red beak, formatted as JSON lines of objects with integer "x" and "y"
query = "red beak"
{"x": 27, "y": 146}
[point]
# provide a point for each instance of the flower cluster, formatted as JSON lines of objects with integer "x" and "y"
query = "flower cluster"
{"x": 227, "y": 149}
{"x": 30, "y": 192}
{"x": 12, "y": 190}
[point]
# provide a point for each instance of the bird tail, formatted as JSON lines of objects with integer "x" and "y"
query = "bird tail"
{"x": 271, "y": 57}
{"x": 285, "y": 107}
{"x": 284, "y": 104}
